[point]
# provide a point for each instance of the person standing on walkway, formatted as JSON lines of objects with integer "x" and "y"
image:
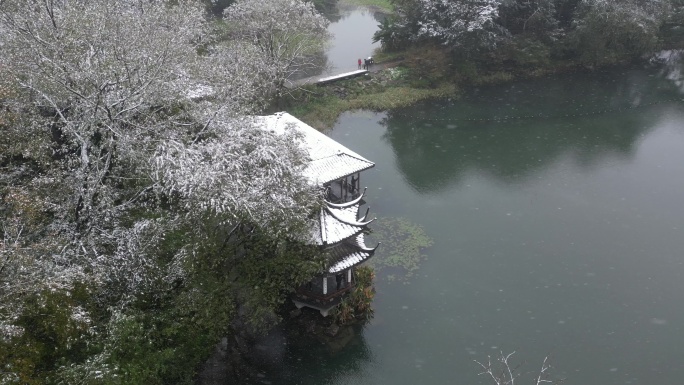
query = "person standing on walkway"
{"x": 359, "y": 63}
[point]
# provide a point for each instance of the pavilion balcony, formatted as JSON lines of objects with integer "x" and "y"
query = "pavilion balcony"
{"x": 345, "y": 189}
{"x": 325, "y": 293}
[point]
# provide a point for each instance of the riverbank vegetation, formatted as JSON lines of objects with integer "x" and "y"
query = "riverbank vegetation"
{"x": 442, "y": 46}
{"x": 378, "y": 5}
{"x": 527, "y": 38}
{"x": 391, "y": 88}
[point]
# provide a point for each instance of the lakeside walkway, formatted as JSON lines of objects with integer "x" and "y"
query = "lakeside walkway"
{"x": 342, "y": 76}
{"x": 320, "y": 79}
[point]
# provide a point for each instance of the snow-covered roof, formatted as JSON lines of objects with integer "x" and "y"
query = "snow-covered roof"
{"x": 338, "y": 227}
{"x": 338, "y": 222}
{"x": 329, "y": 159}
{"x": 349, "y": 253}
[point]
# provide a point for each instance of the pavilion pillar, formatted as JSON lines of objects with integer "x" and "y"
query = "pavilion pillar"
{"x": 349, "y": 276}
{"x": 325, "y": 285}
{"x": 346, "y": 188}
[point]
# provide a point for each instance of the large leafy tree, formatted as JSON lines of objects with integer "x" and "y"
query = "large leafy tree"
{"x": 130, "y": 170}
{"x": 459, "y": 22}
{"x": 528, "y": 16}
{"x": 462, "y": 25}
{"x": 400, "y": 29}
{"x": 611, "y": 31}
{"x": 288, "y": 34}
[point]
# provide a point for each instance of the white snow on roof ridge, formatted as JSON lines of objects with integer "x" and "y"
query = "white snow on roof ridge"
{"x": 330, "y": 160}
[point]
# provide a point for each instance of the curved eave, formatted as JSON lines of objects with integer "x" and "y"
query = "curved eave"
{"x": 354, "y": 253}
{"x": 347, "y": 221}
{"x": 347, "y": 204}
{"x": 350, "y": 261}
{"x": 338, "y": 222}
{"x": 331, "y": 230}
{"x": 360, "y": 241}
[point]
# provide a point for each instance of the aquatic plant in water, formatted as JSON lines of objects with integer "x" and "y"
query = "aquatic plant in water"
{"x": 402, "y": 247}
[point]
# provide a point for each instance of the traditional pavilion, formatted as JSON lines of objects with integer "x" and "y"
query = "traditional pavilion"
{"x": 338, "y": 229}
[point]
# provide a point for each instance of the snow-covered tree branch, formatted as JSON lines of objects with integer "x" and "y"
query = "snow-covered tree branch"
{"x": 608, "y": 30}
{"x": 287, "y": 33}
{"x": 503, "y": 372}
{"x": 124, "y": 133}
{"x": 454, "y": 21}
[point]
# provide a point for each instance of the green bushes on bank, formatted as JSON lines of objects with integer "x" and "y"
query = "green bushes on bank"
{"x": 391, "y": 88}
{"x": 357, "y": 306}
{"x": 536, "y": 35}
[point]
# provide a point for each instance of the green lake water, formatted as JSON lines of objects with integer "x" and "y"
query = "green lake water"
{"x": 556, "y": 207}
{"x": 351, "y": 31}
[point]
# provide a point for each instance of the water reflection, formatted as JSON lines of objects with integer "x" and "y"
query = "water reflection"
{"x": 514, "y": 131}
{"x": 351, "y": 29}
{"x": 551, "y": 241}
{"x": 329, "y": 9}
{"x": 673, "y": 66}
{"x": 351, "y": 39}
{"x": 302, "y": 352}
